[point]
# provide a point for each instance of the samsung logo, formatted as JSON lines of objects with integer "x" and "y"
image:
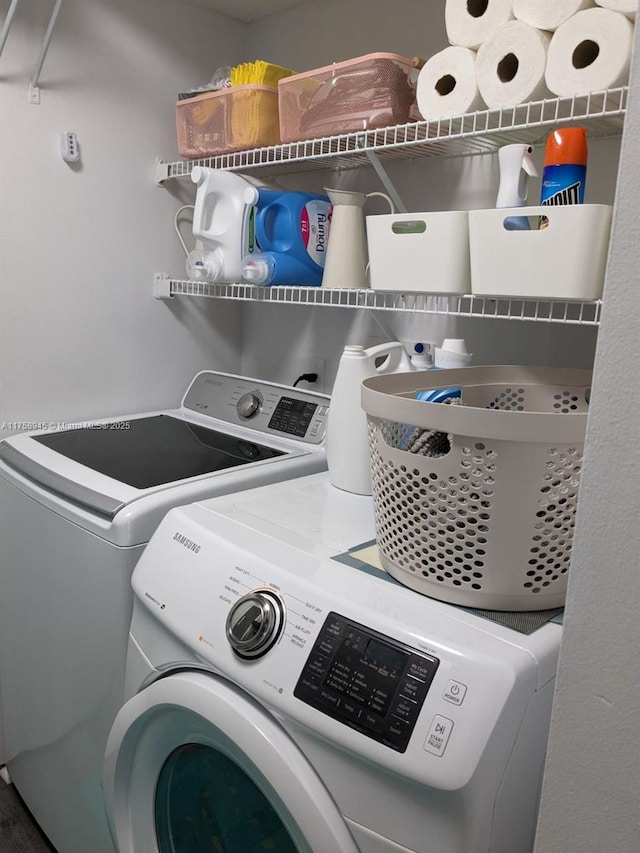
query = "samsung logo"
{"x": 186, "y": 543}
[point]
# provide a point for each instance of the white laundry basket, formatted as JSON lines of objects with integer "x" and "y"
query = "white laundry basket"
{"x": 487, "y": 519}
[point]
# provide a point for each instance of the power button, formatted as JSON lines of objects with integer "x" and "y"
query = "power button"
{"x": 455, "y": 692}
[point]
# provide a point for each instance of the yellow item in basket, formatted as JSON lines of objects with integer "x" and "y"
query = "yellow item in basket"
{"x": 249, "y": 117}
{"x": 259, "y": 73}
{"x": 254, "y": 116}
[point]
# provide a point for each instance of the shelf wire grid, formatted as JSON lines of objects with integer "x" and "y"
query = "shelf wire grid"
{"x": 479, "y": 132}
{"x": 582, "y": 313}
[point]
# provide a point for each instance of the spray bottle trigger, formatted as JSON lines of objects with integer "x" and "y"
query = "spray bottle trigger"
{"x": 527, "y": 162}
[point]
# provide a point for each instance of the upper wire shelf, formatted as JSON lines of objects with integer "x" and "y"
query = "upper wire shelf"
{"x": 585, "y": 313}
{"x": 473, "y": 133}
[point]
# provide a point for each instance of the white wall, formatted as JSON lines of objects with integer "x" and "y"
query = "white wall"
{"x": 591, "y": 791}
{"x": 80, "y": 332}
{"x": 315, "y": 34}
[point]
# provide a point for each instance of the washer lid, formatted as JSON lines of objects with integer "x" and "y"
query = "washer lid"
{"x": 152, "y": 451}
{"x": 170, "y": 745}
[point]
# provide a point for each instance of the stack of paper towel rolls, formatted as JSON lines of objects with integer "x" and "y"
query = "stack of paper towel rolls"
{"x": 508, "y": 52}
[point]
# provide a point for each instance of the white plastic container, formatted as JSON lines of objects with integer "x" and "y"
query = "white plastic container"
{"x": 565, "y": 260}
{"x": 347, "y": 443}
{"x": 452, "y": 354}
{"x": 419, "y": 252}
{"x": 223, "y": 205}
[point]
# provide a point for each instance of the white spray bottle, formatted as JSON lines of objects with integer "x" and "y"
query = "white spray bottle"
{"x": 516, "y": 166}
{"x": 222, "y": 222}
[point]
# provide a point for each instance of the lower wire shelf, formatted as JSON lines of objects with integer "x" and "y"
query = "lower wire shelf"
{"x": 583, "y": 313}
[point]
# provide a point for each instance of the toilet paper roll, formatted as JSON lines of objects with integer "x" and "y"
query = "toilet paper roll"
{"x": 447, "y": 85}
{"x": 590, "y": 52}
{"x": 469, "y": 23}
{"x": 548, "y": 14}
{"x": 510, "y": 66}
{"x": 627, "y": 7}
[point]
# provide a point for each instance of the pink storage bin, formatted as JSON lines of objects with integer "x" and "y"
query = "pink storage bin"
{"x": 372, "y": 91}
{"x": 228, "y": 120}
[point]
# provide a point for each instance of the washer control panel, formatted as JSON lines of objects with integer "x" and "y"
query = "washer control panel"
{"x": 266, "y": 407}
{"x": 293, "y": 416}
{"x": 366, "y": 680}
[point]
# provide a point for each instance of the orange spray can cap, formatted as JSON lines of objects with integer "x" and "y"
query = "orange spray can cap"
{"x": 566, "y": 145}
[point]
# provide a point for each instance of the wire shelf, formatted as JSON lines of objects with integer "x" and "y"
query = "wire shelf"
{"x": 473, "y": 133}
{"x": 585, "y": 313}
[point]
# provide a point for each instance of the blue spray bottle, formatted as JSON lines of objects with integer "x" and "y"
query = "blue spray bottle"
{"x": 516, "y": 166}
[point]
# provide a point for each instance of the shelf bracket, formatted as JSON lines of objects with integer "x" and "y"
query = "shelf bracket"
{"x": 162, "y": 286}
{"x": 7, "y": 24}
{"x": 384, "y": 177}
{"x": 34, "y": 90}
{"x": 162, "y": 171}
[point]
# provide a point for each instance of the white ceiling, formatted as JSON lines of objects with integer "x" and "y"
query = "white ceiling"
{"x": 246, "y": 10}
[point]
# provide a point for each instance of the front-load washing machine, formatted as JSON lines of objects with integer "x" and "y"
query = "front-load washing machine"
{"x": 77, "y": 506}
{"x": 284, "y": 693}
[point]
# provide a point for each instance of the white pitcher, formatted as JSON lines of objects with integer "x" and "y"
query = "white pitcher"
{"x": 346, "y": 261}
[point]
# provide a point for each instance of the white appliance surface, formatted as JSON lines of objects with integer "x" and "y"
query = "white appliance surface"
{"x": 126, "y": 514}
{"x": 412, "y": 724}
{"x": 77, "y": 507}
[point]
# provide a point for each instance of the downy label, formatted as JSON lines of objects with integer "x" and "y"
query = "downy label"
{"x": 315, "y": 221}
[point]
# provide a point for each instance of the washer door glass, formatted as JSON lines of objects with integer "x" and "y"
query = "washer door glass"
{"x": 205, "y": 801}
{"x": 194, "y": 764}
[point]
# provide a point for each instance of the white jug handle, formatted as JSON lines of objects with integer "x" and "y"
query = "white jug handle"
{"x": 392, "y": 206}
{"x": 389, "y": 358}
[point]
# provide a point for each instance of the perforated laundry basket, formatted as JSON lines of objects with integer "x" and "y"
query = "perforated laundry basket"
{"x": 487, "y": 521}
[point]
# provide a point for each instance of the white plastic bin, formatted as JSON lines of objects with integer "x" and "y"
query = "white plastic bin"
{"x": 565, "y": 260}
{"x": 419, "y": 252}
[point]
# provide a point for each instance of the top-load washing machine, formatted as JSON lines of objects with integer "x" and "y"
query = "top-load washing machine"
{"x": 77, "y": 506}
{"x": 284, "y": 693}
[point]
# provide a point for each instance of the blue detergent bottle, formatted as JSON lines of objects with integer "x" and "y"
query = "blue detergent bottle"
{"x": 291, "y": 235}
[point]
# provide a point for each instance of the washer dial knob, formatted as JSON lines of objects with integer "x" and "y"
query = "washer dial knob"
{"x": 248, "y": 404}
{"x": 254, "y": 623}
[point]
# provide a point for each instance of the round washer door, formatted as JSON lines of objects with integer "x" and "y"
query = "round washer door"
{"x": 194, "y": 763}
